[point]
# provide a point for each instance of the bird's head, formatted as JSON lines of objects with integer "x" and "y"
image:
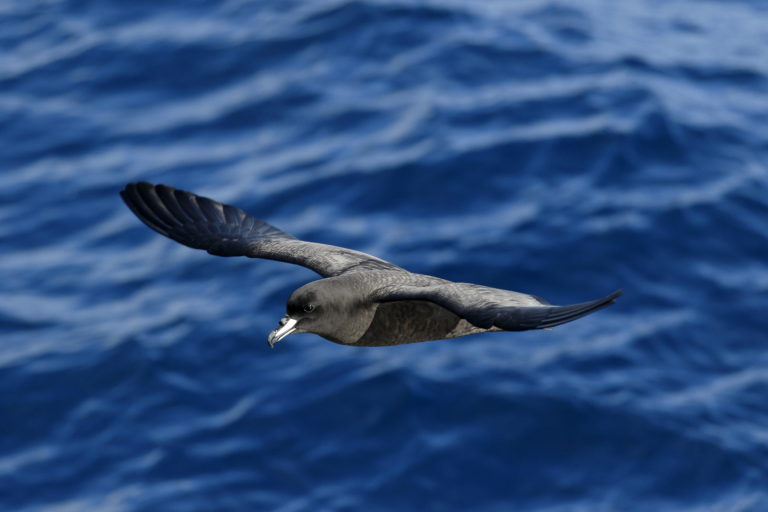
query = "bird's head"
{"x": 328, "y": 308}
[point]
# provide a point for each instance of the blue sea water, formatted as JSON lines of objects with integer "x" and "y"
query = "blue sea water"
{"x": 562, "y": 148}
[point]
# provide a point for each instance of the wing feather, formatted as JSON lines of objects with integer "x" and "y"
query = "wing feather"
{"x": 223, "y": 230}
{"x": 487, "y": 307}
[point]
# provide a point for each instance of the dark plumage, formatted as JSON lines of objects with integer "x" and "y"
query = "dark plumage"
{"x": 362, "y": 300}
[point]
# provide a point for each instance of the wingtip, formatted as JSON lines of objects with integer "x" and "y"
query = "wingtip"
{"x": 608, "y": 299}
{"x": 133, "y": 186}
{"x": 563, "y": 314}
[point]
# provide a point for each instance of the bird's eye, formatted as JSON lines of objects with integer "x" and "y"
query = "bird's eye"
{"x": 309, "y": 307}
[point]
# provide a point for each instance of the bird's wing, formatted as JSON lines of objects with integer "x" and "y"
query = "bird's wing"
{"x": 487, "y": 307}
{"x": 223, "y": 230}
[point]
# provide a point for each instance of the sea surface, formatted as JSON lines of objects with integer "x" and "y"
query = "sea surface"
{"x": 561, "y": 148}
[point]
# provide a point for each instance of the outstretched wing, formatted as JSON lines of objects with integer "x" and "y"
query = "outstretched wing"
{"x": 223, "y": 230}
{"x": 487, "y": 307}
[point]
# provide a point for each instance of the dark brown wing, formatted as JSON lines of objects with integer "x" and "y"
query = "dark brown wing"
{"x": 223, "y": 230}
{"x": 487, "y": 307}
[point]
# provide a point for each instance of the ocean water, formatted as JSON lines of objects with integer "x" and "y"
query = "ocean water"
{"x": 562, "y": 148}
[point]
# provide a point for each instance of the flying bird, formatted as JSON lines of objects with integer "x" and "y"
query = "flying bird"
{"x": 361, "y": 300}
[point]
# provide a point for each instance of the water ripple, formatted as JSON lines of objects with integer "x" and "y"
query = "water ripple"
{"x": 528, "y": 145}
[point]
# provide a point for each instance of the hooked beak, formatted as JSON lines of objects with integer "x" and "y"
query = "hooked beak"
{"x": 287, "y": 326}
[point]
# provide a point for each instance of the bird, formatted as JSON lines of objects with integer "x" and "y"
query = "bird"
{"x": 360, "y": 300}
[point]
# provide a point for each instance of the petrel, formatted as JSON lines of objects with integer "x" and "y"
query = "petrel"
{"x": 361, "y": 300}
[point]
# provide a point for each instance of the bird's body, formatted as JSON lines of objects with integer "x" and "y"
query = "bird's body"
{"x": 362, "y": 300}
{"x": 400, "y": 321}
{"x": 409, "y": 321}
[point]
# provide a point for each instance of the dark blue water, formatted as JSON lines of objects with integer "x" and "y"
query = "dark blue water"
{"x": 558, "y": 148}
